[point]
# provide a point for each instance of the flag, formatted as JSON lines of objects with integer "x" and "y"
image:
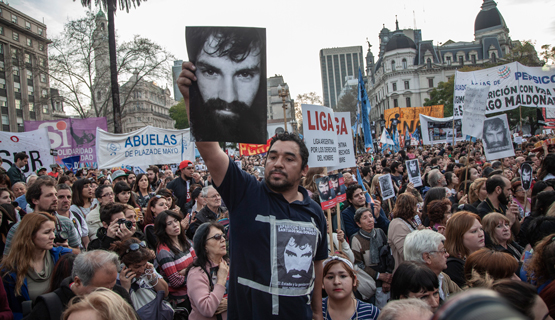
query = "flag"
{"x": 385, "y": 139}
{"x": 365, "y": 106}
{"x": 366, "y": 194}
{"x": 407, "y": 136}
{"x": 396, "y": 146}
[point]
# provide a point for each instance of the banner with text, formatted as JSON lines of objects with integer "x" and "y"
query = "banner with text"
{"x": 72, "y": 137}
{"x": 143, "y": 147}
{"x": 440, "y": 130}
{"x": 345, "y": 150}
{"x": 510, "y": 85}
{"x": 474, "y": 110}
{"x": 320, "y": 136}
{"x": 408, "y": 118}
{"x": 247, "y": 149}
{"x": 35, "y": 143}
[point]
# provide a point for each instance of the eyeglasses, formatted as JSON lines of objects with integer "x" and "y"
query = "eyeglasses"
{"x": 217, "y": 237}
{"x": 135, "y": 246}
{"x": 442, "y": 251}
{"x": 111, "y": 194}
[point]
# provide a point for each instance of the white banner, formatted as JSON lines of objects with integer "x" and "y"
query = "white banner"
{"x": 439, "y": 130}
{"x": 320, "y": 136}
{"x": 510, "y": 85}
{"x": 143, "y": 147}
{"x": 36, "y": 145}
{"x": 497, "y": 138}
{"x": 474, "y": 110}
{"x": 345, "y": 148}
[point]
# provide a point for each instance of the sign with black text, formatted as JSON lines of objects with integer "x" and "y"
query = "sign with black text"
{"x": 320, "y": 136}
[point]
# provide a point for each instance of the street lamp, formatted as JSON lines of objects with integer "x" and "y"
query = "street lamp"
{"x": 283, "y": 92}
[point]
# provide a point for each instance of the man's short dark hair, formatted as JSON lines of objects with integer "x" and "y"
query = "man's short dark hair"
{"x": 35, "y": 190}
{"x": 100, "y": 190}
{"x": 493, "y": 182}
{"x": 394, "y": 166}
{"x": 351, "y": 191}
{"x": 365, "y": 170}
{"x": 434, "y": 161}
{"x": 20, "y": 156}
{"x": 107, "y": 211}
{"x": 495, "y": 124}
{"x": 235, "y": 43}
{"x": 154, "y": 169}
{"x": 63, "y": 186}
{"x": 286, "y": 136}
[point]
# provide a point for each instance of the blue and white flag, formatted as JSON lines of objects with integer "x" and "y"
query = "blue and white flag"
{"x": 365, "y": 106}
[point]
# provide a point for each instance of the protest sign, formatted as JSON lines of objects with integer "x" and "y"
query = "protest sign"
{"x": 246, "y": 149}
{"x": 228, "y": 102}
{"x": 510, "y": 85}
{"x": 72, "y": 163}
{"x": 497, "y": 138}
{"x": 386, "y": 186}
{"x": 413, "y": 172}
{"x": 326, "y": 192}
{"x": 143, "y": 147}
{"x": 338, "y": 185}
{"x": 526, "y": 176}
{"x": 474, "y": 110}
{"x": 72, "y": 137}
{"x": 440, "y": 130}
{"x": 35, "y": 143}
{"x": 409, "y": 118}
{"x": 345, "y": 150}
{"x": 320, "y": 136}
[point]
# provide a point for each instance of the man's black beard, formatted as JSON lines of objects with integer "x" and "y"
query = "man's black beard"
{"x": 504, "y": 200}
{"x": 236, "y": 107}
{"x": 279, "y": 188}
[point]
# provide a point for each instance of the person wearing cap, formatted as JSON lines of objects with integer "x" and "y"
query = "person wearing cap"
{"x": 118, "y": 175}
{"x": 181, "y": 185}
{"x": 41, "y": 171}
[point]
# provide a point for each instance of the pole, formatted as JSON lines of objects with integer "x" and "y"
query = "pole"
{"x": 338, "y": 214}
{"x": 284, "y": 115}
{"x": 330, "y": 231}
{"x": 453, "y": 132}
{"x": 520, "y": 110}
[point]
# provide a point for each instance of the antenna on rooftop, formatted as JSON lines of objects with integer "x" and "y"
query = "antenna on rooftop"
{"x": 414, "y": 18}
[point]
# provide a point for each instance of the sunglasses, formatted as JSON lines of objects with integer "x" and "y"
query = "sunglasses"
{"x": 217, "y": 237}
{"x": 135, "y": 246}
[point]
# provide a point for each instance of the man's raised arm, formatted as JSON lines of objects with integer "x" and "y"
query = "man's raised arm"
{"x": 216, "y": 160}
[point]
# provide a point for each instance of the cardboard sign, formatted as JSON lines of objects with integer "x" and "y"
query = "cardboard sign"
{"x": 474, "y": 110}
{"x": 35, "y": 144}
{"x": 413, "y": 172}
{"x": 496, "y": 136}
{"x": 320, "y": 136}
{"x": 386, "y": 186}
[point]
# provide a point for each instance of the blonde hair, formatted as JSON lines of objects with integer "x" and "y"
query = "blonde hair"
{"x": 490, "y": 222}
{"x": 375, "y": 183}
{"x": 473, "y": 193}
{"x": 107, "y": 304}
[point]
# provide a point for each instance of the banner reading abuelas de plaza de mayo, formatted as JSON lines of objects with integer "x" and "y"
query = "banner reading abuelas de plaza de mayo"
{"x": 510, "y": 85}
{"x": 143, "y": 147}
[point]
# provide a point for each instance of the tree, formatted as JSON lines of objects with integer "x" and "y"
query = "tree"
{"x": 548, "y": 54}
{"x": 72, "y": 70}
{"x": 111, "y": 5}
{"x": 179, "y": 114}
{"x": 305, "y": 98}
{"x": 443, "y": 94}
{"x": 348, "y": 102}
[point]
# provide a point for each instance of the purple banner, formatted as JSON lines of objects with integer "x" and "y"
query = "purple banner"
{"x": 72, "y": 137}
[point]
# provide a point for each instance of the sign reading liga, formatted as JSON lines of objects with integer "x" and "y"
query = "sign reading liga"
{"x": 320, "y": 136}
{"x": 143, "y": 147}
{"x": 510, "y": 85}
{"x": 35, "y": 143}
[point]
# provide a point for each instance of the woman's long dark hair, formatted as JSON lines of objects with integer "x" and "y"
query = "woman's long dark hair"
{"x": 136, "y": 186}
{"x": 163, "y": 237}
{"x": 122, "y": 186}
{"x": 62, "y": 270}
{"x": 201, "y": 259}
{"x": 77, "y": 192}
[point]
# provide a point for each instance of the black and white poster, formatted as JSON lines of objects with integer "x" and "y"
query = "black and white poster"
{"x": 326, "y": 191}
{"x": 386, "y": 186}
{"x": 526, "y": 176}
{"x": 228, "y": 102}
{"x": 497, "y": 138}
{"x": 413, "y": 172}
{"x": 296, "y": 246}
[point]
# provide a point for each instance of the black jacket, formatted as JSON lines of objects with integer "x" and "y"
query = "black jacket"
{"x": 103, "y": 241}
{"x": 204, "y": 215}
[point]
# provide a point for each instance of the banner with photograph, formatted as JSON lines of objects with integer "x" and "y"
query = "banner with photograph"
{"x": 496, "y": 136}
{"x": 34, "y": 143}
{"x": 409, "y": 118}
{"x": 386, "y": 186}
{"x": 326, "y": 192}
{"x": 440, "y": 130}
{"x": 144, "y": 147}
{"x": 510, "y": 85}
{"x": 345, "y": 150}
{"x": 72, "y": 137}
{"x": 413, "y": 172}
{"x": 320, "y": 136}
{"x": 474, "y": 110}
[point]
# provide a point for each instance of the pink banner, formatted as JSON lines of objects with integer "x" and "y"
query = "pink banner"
{"x": 72, "y": 137}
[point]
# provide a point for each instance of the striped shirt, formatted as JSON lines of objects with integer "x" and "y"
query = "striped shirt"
{"x": 364, "y": 310}
{"x": 170, "y": 265}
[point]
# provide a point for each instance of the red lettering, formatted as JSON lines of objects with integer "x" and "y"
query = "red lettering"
{"x": 323, "y": 123}
{"x": 310, "y": 125}
{"x": 343, "y": 127}
{"x": 330, "y": 123}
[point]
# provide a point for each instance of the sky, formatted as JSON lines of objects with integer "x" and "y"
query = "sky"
{"x": 297, "y": 30}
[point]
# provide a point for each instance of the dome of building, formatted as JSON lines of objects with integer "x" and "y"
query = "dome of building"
{"x": 399, "y": 41}
{"x": 488, "y": 17}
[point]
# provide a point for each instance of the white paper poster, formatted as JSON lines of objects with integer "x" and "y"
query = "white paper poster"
{"x": 386, "y": 186}
{"x": 474, "y": 110}
{"x": 345, "y": 148}
{"x": 497, "y": 138}
{"x": 144, "y": 147}
{"x": 36, "y": 145}
{"x": 413, "y": 172}
{"x": 440, "y": 130}
{"x": 320, "y": 136}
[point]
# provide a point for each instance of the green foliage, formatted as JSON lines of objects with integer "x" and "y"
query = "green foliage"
{"x": 348, "y": 103}
{"x": 179, "y": 114}
{"x": 443, "y": 94}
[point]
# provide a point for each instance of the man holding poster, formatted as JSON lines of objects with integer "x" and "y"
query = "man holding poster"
{"x": 277, "y": 233}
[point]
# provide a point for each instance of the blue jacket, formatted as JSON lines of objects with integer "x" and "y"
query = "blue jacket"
{"x": 9, "y": 284}
{"x": 348, "y": 216}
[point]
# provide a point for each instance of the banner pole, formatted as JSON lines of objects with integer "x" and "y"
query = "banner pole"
{"x": 453, "y": 131}
{"x": 338, "y": 214}
{"x": 520, "y": 111}
{"x": 330, "y": 231}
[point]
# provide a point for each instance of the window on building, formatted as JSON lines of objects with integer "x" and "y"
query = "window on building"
{"x": 1, "y": 30}
{"x": 44, "y": 93}
{"x": 394, "y": 86}
{"x": 17, "y": 87}
{"x": 5, "y": 120}
{"x": 448, "y": 60}
{"x": 18, "y": 104}
{"x": 42, "y": 62}
{"x": 473, "y": 58}
{"x": 32, "y": 106}
{"x": 98, "y": 93}
{"x": 41, "y": 46}
{"x": 408, "y": 102}
{"x": 58, "y": 106}
{"x": 40, "y": 31}
{"x": 404, "y": 63}
{"x": 15, "y": 56}
{"x": 393, "y": 65}
{"x": 493, "y": 58}
{"x": 0, "y": 12}
{"x": 429, "y": 63}
{"x": 407, "y": 85}
{"x": 2, "y": 83}
{"x": 31, "y": 90}
{"x": 461, "y": 60}
{"x": 42, "y": 78}
{"x": 44, "y": 108}
{"x": 431, "y": 82}
{"x": 27, "y": 58}
{"x": 15, "y": 36}
{"x": 27, "y": 25}
{"x": 15, "y": 71}
{"x": 14, "y": 18}
{"x": 395, "y": 103}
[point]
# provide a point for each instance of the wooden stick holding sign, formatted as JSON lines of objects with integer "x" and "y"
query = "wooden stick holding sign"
{"x": 330, "y": 230}
{"x": 526, "y": 182}
{"x": 338, "y": 214}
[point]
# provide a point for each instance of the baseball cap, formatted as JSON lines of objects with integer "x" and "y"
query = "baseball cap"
{"x": 185, "y": 164}
{"x": 118, "y": 173}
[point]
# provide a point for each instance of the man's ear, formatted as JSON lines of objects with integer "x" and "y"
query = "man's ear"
{"x": 105, "y": 225}
{"x": 304, "y": 171}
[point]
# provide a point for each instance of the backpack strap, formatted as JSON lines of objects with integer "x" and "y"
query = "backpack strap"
{"x": 53, "y": 304}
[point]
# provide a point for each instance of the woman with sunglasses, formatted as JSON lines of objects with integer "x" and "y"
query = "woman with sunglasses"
{"x": 208, "y": 297}
{"x": 174, "y": 254}
{"x": 137, "y": 272}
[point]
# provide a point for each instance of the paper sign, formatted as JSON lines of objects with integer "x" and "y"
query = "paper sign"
{"x": 338, "y": 184}
{"x": 497, "y": 138}
{"x": 345, "y": 148}
{"x": 413, "y": 172}
{"x": 326, "y": 192}
{"x": 320, "y": 136}
{"x": 36, "y": 145}
{"x": 439, "y": 130}
{"x": 474, "y": 110}
{"x": 386, "y": 186}
{"x": 526, "y": 176}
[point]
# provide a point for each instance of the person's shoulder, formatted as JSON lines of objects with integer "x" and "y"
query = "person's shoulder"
{"x": 366, "y": 309}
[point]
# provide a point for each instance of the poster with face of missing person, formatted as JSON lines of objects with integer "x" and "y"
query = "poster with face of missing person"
{"x": 228, "y": 101}
{"x": 413, "y": 171}
{"x": 326, "y": 192}
{"x": 526, "y": 176}
{"x": 497, "y": 138}
{"x": 386, "y": 186}
{"x": 338, "y": 185}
